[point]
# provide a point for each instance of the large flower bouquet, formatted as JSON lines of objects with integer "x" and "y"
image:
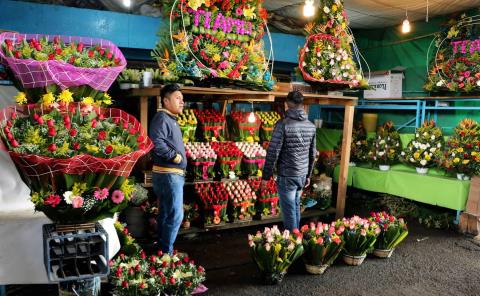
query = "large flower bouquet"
{"x": 201, "y": 160}
{"x": 213, "y": 198}
{"x": 74, "y": 157}
{"x": 322, "y": 244}
{"x": 253, "y": 158}
{"x": 425, "y": 149}
{"x": 229, "y": 158}
{"x": 160, "y": 274}
{"x": 188, "y": 125}
{"x": 386, "y": 147}
{"x": 212, "y": 124}
{"x": 462, "y": 155}
{"x": 393, "y": 232}
{"x": 241, "y": 129}
{"x": 268, "y": 119}
{"x": 359, "y": 235}
{"x": 267, "y": 202}
{"x": 242, "y": 200}
{"x": 44, "y": 63}
{"x": 274, "y": 251}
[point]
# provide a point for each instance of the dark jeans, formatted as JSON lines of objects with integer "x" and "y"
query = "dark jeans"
{"x": 290, "y": 191}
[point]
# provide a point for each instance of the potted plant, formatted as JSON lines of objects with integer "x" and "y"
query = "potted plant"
{"x": 424, "y": 150}
{"x": 274, "y": 251}
{"x": 134, "y": 213}
{"x": 189, "y": 213}
{"x": 393, "y": 232}
{"x": 359, "y": 237}
{"x": 386, "y": 146}
{"x": 322, "y": 244}
{"x": 129, "y": 78}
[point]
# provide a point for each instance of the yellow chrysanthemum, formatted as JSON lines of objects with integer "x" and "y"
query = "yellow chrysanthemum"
{"x": 127, "y": 188}
{"x": 416, "y": 155}
{"x": 216, "y": 58}
{"x": 334, "y": 8}
{"x": 249, "y": 12}
{"x": 460, "y": 150}
{"x": 466, "y": 161}
{"x": 65, "y": 97}
{"x": 48, "y": 99}
{"x": 88, "y": 100}
{"x": 21, "y": 98}
{"x": 456, "y": 160}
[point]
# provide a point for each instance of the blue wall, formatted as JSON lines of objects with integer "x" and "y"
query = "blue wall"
{"x": 125, "y": 30}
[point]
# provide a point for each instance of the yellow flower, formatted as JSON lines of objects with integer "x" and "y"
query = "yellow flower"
{"x": 65, "y": 96}
{"x": 107, "y": 99}
{"x": 21, "y": 98}
{"x": 195, "y": 4}
{"x": 460, "y": 150}
{"x": 249, "y": 139}
{"x": 427, "y": 157}
{"x": 466, "y": 161}
{"x": 121, "y": 149}
{"x": 79, "y": 188}
{"x": 92, "y": 148}
{"x": 48, "y": 99}
{"x": 456, "y": 160}
{"x": 259, "y": 173}
{"x": 474, "y": 153}
{"x": 127, "y": 188}
{"x": 36, "y": 199}
{"x": 216, "y": 57}
{"x": 334, "y": 8}
{"x": 248, "y": 12}
{"x": 87, "y": 100}
{"x": 63, "y": 149}
{"x": 416, "y": 155}
{"x": 344, "y": 25}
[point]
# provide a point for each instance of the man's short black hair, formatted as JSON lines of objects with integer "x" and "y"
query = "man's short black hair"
{"x": 167, "y": 90}
{"x": 294, "y": 99}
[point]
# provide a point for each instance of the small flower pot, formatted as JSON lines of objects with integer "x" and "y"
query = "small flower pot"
{"x": 125, "y": 85}
{"x": 353, "y": 260}
{"x": 462, "y": 177}
{"x": 316, "y": 269}
{"x": 269, "y": 278}
{"x": 384, "y": 167}
{"x": 135, "y": 85}
{"x": 383, "y": 253}
{"x": 422, "y": 171}
{"x": 352, "y": 164}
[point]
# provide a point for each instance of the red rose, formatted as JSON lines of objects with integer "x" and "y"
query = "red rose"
{"x": 137, "y": 267}
{"x": 52, "y": 200}
{"x": 18, "y": 55}
{"x": 36, "y": 116}
{"x": 94, "y": 123}
{"x": 51, "y": 56}
{"x": 108, "y": 149}
{"x": 125, "y": 125}
{"x": 142, "y": 286}
{"x": 116, "y": 60}
{"x": 143, "y": 255}
{"x": 188, "y": 284}
{"x": 66, "y": 119}
{"x": 56, "y": 40}
{"x": 14, "y": 115}
{"x": 68, "y": 125}
{"x": 73, "y": 132}
{"x": 132, "y": 131}
{"x": 76, "y": 146}
{"x": 172, "y": 281}
{"x": 40, "y": 120}
{"x": 102, "y": 52}
{"x": 140, "y": 139}
{"x": 392, "y": 218}
{"x": 125, "y": 284}
{"x": 91, "y": 53}
{"x": 14, "y": 143}
{"x": 101, "y": 117}
{"x": 131, "y": 271}
{"x": 142, "y": 146}
{"x": 9, "y": 136}
{"x": 80, "y": 46}
{"x": 52, "y": 147}
{"x": 58, "y": 51}
{"x": 71, "y": 60}
{"x": 109, "y": 55}
{"x": 50, "y": 123}
{"x": 9, "y": 123}
{"x": 38, "y": 46}
{"x": 164, "y": 264}
{"x": 6, "y": 130}
{"x": 51, "y": 132}
{"x": 116, "y": 120}
{"x": 102, "y": 135}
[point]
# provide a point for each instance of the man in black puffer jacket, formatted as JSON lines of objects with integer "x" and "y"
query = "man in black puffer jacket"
{"x": 292, "y": 152}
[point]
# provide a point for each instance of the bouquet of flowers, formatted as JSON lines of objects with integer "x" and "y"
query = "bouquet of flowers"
{"x": 322, "y": 244}
{"x": 212, "y": 124}
{"x": 393, "y": 232}
{"x": 213, "y": 199}
{"x": 463, "y": 150}
{"x": 241, "y": 199}
{"x": 140, "y": 274}
{"x": 139, "y": 195}
{"x": 128, "y": 245}
{"x": 425, "y": 149}
{"x": 360, "y": 236}
{"x": 267, "y": 203}
{"x": 268, "y": 119}
{"x": 360, "y": 145}
{"x": 274, "y": 251}
{"x": 253, "y": 158}
{"x": 386, "y": 147}
{"x": 201, "y": 160}
{"x": 190, "y": 212}
{"x": 188, "y": 124}
{"x": 229, "y": 157}
{"x": 243, "y": 129}
{"x": 320, "y": 191}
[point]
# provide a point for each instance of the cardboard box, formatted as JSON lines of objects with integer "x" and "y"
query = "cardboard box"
{"x": 385, "y": 84}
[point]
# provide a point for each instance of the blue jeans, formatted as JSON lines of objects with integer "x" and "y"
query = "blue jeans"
{"x": 290, "y": 191}
{"x": 169, "y": 190}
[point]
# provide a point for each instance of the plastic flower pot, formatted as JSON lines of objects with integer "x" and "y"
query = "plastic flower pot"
{"x": 272, "y": 278}
{"x": 384, "y": 167}
{"x": 316, "y": 269}
{"x": 383, "y": 253}
{"x": 353, "y": 260}
{"x": 462, "y": 177}
{"x": 422, "y": 171}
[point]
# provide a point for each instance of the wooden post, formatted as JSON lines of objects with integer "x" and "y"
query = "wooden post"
{"x": 344, "y": 160}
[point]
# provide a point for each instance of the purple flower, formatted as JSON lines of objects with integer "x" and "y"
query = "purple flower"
{"x": 117, "y": 196}
{"x": 101, "y": 194}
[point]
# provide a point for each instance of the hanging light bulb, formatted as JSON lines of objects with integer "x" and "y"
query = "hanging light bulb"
{"x": 406, "y": 24}
{"x": 127, "y": 3}
{"x": 251, "y": 116}
{"x": 308, "y": 8}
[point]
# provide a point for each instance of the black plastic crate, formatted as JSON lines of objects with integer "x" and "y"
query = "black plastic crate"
{"x": 76, "y": 253}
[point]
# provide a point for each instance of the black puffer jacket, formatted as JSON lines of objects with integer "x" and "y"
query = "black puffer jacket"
{"x": 292, "y": 148}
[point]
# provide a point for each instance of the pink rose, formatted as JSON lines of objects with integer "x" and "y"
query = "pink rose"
{"x": 77, "y": 202}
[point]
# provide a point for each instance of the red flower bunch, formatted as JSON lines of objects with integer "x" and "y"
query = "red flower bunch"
{"x": 212, "y": 124}
{"x": 393, "y": 230}
{"x": 242, "y": 199}
{"x": 209, "y": 116}
{"x": 245, "y": 128}
{"x": 242, "y": 117}
{"x": 229, "y": 157}
{"x": 213, "y": 198}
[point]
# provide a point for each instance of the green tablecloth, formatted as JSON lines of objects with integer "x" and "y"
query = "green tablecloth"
{"x": 433, "y": 188}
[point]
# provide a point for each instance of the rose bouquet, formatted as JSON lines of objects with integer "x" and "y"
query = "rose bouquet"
{"x": 253, "y": 158}
{"x": 241, "y": 199}
{"x": 424, "y": 150}
{"x": 201, "y": 160}
{"x": 386, "y": 147}
{"x": 274, "y": 251}
{"x": 229, "y": 158}
{"x": 140, "y": 274}
{"x": 267, "y": 202}
{"x": 393, "y": 232}
{"x": 268, "y": 119}
{"x": 242, "y": 129}
{"x": 359, "y": 236}
{"x": 213, "y": 198}
{"x": 212, "y": 124}
{"x": 322, "y": 244}
{"x": 188, "y": 124}
{"x": 463, "y": 150}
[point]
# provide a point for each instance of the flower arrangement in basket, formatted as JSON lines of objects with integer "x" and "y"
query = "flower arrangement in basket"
{"x": 425, "y": 150}
{"x": 267, "y": 202}
{"x": 201, "y": 160}
{"x": 44, "y": 63}
{"x": 322, "y": 244}
{"x": 212, "y": 124}
{"x": 243, "y": 128}
{"x": 359, "y": 236}
{"x": 393, "y": 232}
{"x": 229, "y": 158}
{"x": 188, "y": 125}
{"x": 253, "y": 158}
{"x": 241, "y": 200}
{"x": 274, "y": 251}
{"x": 268, "y": 119}
{"x": 74, "y": 157}
{"x": 160, "y": 274}
{"x": 386, "y": 146}
{"x": 462, "y": 155}
{"x": 213, "y": 198}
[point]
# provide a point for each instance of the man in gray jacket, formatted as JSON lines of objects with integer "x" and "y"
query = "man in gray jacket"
{"x": 292, "y": 153}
